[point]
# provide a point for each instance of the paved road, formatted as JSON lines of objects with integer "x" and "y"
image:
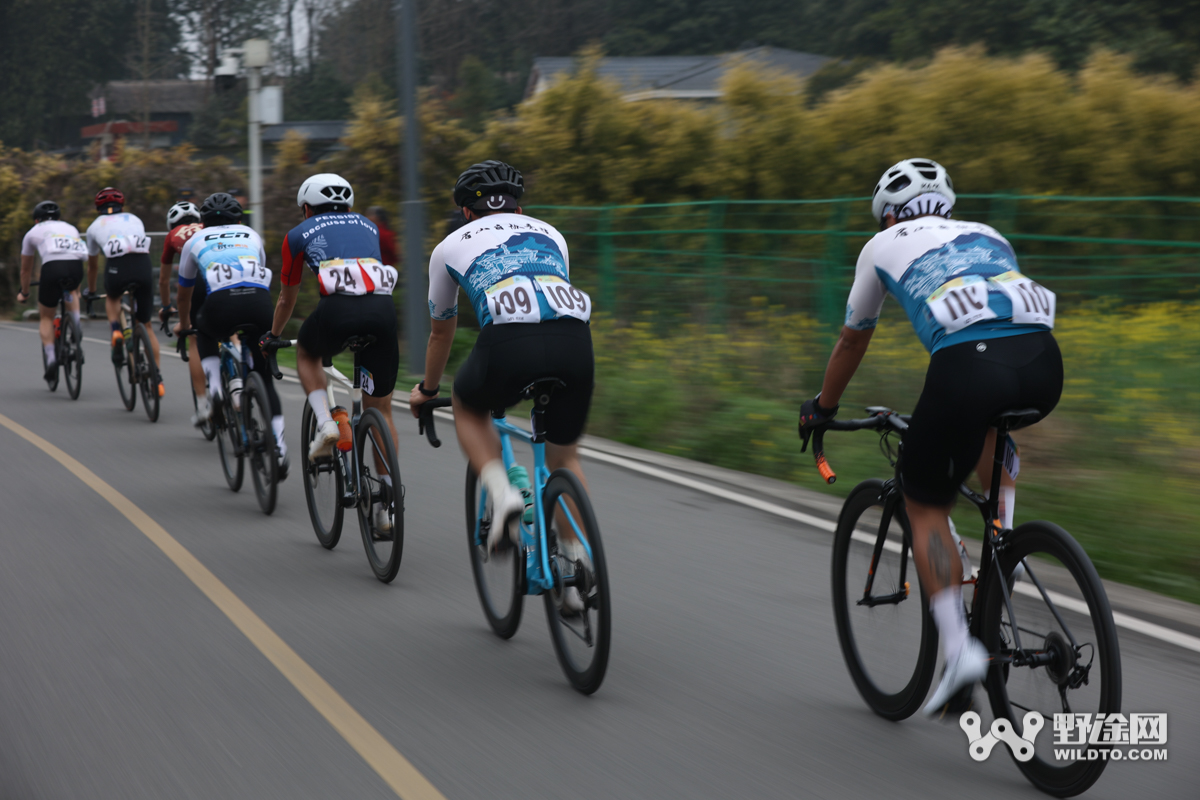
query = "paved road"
{"x": 120, "y": 679}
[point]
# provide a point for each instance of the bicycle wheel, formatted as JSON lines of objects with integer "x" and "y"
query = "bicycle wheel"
{"x": 581, "y": 640}
{"x": 379, "y": 499}
{"x": 52, "y": 384}
{"x": 261, "y": 447}
{"x": 887, "y": 637}
{"x": 207, "y": 428}
{"x": 70, "y": 355}
{"x": 499, "y": 576}
{"x": 146, "y": 371}
{"x": 1066, "y": 629}
{"x": 127, "y": 380}
{"x": 229, "y": 442}
{"x": 323, "y": 486}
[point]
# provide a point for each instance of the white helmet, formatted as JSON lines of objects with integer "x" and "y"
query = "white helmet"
{"x": 908, "y": 180}
{"x": 180, "y": 212}
{"x": 325, "y": 188}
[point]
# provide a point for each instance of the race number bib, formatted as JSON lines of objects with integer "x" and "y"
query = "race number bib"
{"x": 247, "y": 272}
{"x": 565, "y": 299}
{"x": 1032, "y": 303}
{"x": 119, "y": 246}
{"x": 356, "y": 276}
{"x": 513, "y": 300}
{"x": 62, "y": 247}
{"x": 960, "y": 302}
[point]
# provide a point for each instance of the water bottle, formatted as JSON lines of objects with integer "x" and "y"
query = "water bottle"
{"x": 235, "y": 392}
{"x": 518, "y": 476}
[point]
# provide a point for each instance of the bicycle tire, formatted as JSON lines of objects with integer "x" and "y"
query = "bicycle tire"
{"x": 508, "y": 564}
{"x": 70, "y": 352}
{"x": 233, "y": 460}
{"x": 1045, "y": 540}
{"x": 206, "y": 427}
{"x": 261, "y": 447}
{"x": 147, "y": 372}
{"x": 324, "y": 485}
{"x": 864, "y": 628}
{"x": 51, "y": 384}
{"x": 384, "y": 549}
{"x": 584, "y": 677}
{"x": 127, "y": 380}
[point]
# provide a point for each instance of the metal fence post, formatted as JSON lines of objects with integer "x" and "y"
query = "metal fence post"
{"x": 1002, "y": 213}
{"x": 714, "y": 259}
{"x": 608, "y": 261}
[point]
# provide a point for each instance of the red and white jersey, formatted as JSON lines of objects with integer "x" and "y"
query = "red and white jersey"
{"x": 54, "y": 240}
{"x": 176, "y": 239}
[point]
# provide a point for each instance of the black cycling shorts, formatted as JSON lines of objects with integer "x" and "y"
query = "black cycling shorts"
{"x": 58, "y": 277}
{"x": 133, "y": 268}
{"x": 967, "y": 386}
{"x": 339, "y": 317}
{"x": 226, "y": 312}
{"x": 507, "y": 358}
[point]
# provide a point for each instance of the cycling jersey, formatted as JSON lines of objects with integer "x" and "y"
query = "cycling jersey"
{"x": 117, "y": 235}
{"x": 957, "y": 281}
{"x": 224, "y": 257}
{"x": 176, "y": 239}
{"x": 514, "y": 268}
{"x": 54, "y": 240}
{"x": 342, "y": 249}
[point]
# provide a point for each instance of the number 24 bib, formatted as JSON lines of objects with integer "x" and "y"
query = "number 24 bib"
{"x": 356, "y": 276}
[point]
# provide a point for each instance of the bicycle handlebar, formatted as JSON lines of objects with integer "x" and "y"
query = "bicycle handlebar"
{"x": 880, "y": 419}
{"x": 181, "y": 344}
{"x": 425, "y": 419}
{"x": 269, "y": 353}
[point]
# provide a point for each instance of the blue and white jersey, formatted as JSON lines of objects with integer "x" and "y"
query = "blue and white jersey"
{"x": 513, "y": 267}
{"x": 957, "y": 281}
{"x": 224, "y": 257}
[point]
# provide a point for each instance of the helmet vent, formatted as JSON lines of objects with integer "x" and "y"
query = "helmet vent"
{"x": 898, "y": 184}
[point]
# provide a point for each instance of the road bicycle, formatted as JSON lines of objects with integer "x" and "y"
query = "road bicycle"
{"x": 1035, "y": 602}
{"x": 241, "y": 419}
{"x": 136, "y": 373}
{"x": 68, "y": 346}
{"x": 364, "y": 476}
{"x": 539, "y": 565}
{"x": 206, "y": 427}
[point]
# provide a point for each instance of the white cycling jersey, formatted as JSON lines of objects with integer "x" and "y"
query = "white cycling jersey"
{"x": 117, "y": 235}
{"x": 224, "y": 257}
{"x": 957, "y": 281}
{"x": 54, "y": 240}
{"x": 513, "y": 267}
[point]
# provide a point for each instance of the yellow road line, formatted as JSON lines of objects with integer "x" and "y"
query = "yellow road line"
{"x": 395, "y": 769}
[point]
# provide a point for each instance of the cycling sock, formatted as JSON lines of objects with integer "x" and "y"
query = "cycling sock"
{"x": 212, "y": 369}
{"x": 319, "y": 401}
{"x": 1008, "y": 504}
{"x": 495, "y": 478}
{"x": 49, "y": 349}
{"x": 947, "y": 608}
{"x": 75, "y": 316}
{"x": 116, "y": 326}
{"x": 277, "y": 426}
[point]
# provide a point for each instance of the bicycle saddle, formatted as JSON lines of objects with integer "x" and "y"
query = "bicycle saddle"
{"x": 1018, "y": 418}
{"x": 540, "y": 390}
{"x": 356, "y": 343}
{"x": 249, "y": 330}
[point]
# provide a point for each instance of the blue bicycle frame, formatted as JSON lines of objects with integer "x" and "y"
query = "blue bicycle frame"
{"x": 538, "y": 577}
{"x": 233, "y": 364}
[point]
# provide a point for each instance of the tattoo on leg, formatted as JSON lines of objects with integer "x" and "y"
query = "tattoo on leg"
{"x": 938, "y": 558}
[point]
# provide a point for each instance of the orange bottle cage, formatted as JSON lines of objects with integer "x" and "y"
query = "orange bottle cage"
{"x": 345, "y": 437}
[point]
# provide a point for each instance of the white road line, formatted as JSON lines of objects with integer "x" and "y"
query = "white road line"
{"x": 1154, "y": 631}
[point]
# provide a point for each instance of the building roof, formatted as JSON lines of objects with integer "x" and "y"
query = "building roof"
{"x": 164, "y": 97}
{"x": 313, "y": 130}
{"x": 687, "y": 77}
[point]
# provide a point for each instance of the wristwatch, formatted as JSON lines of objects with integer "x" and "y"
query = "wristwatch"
{"x": 428, "y": 392}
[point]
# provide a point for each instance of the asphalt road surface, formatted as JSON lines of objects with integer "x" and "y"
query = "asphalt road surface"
{"x": 120, "y": 678}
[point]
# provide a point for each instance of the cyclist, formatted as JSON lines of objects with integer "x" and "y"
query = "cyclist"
{"x": 990, "y": 351}
{"x": 62, "y": 253}
{"x": 342, "y": 249}
{"x": 126, "y": 247}
{"x": 497, "y": 247}
{"x": 227, "y": 260}
{"x": 183, "y": 221}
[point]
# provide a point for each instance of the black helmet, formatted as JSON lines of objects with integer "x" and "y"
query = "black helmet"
{"x": 220, "y": 209}
{"x": 493, "y": 178}
{"x": 47, "y": 209}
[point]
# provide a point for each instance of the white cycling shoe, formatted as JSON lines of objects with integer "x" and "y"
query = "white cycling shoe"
{"x": 203, "y": 415}
{"x": 507, "y": 511}
{"x": 970, "y": 665}
{"x": 383, "y": 522}
{"x": 323, "y": 443}
{"x": 573, "y": 551}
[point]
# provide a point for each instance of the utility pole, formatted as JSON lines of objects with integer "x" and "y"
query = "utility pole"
{"x": 416, "y": 314}
{"x": 256, "y": 54}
